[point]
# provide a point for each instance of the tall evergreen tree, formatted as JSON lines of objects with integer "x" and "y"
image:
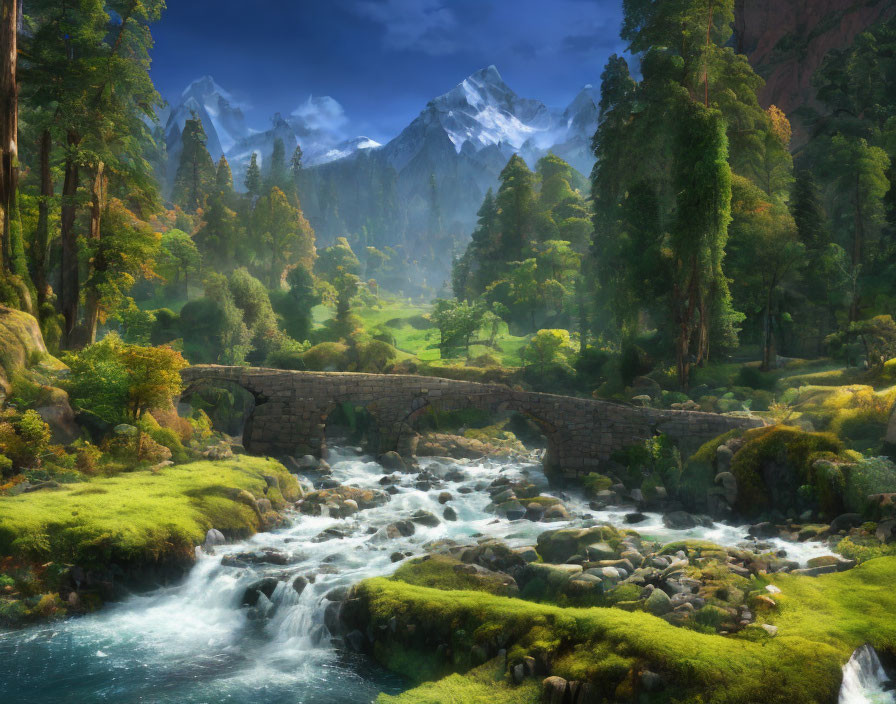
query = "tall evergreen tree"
{"x": 516, "y": 203}
{"x": 196, "y": 171}
{"x": 253, "y": 176}
{"x": 223, "y": 175}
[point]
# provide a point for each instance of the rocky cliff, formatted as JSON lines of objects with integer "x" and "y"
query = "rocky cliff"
{"x": 786, "y": 41}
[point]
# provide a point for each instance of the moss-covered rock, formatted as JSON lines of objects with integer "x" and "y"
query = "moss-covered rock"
{"x": 774, "y": 463}
{"x": 144, "y": 516}
{"x": 21, "y": 345}
{"x": 560, "y": 545}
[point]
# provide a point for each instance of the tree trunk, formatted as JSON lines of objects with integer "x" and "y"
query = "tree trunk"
{"x": 767, "y": 329}
{"x": 858, "y": 245}
{"x": 69, "y": 288}
{"x": 98, "y": 263}
{"x": 42, "y": 236}
{"x": 9, "y": 166}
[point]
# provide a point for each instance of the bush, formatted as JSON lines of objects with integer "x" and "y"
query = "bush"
{"x": 327, "y": 356}
{"x": 755, "y": 378}
{"x": 873, "y": 475}
{"x": 374, "y": 356}
{"x": 594, "y": 483}
{"x": 23, "y": 440}
{"x": 118, "y": 382}
{"x": 287, "y": 354}
{"x": 165, "y": 328}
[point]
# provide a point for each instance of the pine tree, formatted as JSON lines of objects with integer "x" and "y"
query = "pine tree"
{"x": 223, "y": 176}
{"x": 295, "y": 164}
{"x": 516, "y": 203}
{"x": 196, "y": 171}
{"x": 277, "y": 176}
{"x": 253, "y": 176}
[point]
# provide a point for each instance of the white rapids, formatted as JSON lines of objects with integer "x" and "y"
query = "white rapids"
{"x": 864, "y": 680}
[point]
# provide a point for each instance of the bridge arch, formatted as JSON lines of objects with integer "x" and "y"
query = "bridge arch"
{"x": 243, "y": 403}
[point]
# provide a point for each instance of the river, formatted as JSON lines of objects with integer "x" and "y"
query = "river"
{"x": 196, "y": 643}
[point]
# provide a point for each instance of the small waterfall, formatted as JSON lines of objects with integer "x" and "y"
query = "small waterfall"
{"x": 864, "y": 680}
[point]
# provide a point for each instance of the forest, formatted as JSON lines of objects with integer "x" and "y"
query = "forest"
{"x": 723, "y": 257}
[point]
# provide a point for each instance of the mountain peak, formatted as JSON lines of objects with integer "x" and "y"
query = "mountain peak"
{"x": 205, "y": 86}
{"x": 489, "y": 74}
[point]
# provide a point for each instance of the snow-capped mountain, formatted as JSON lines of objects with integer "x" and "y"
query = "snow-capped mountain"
{"x": 483, "y": 112}
{"x": 221, "y": 117}
{"x": 448, "y": 156}
{"x": 316, "y": 125}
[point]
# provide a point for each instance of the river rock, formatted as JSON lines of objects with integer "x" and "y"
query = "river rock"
{"x": 424, "y": 518}
{"x": 213, "y": 538}
{"x": 658, "y": 603}
{"x": 264, "y": 586}
{"x": 393, "y": 462}
{"x": 763, "y": 530}
{"x": 882, "y": 505}
{"x": 299, "y": 583}
{"x": 337, "y": 496}
{"x": 635, "y": 518}
{"x": 553, "y": 690}
{"x": 449, "y": 514}
{"x": 886, "y": 531}
{"x": 534, "y": 512}
{"x": 585, "y": 583}
{"x": 445, "y": 497}
{"x": 560, "y": 545}
{"x": 600, "y": 551}
{"x": 845, "y": 521}
{"x": 682, "y": 520}
{"x": 556, "y": 512}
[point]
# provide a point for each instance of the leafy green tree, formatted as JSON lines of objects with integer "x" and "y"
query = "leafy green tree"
{"x": 457, "y": 322}
{"x": 124, "y": 250}
{"x": 212, "y": 327}
{"x": 196, "y": 174}
{"x": 545, "y": 347}
{"x": 765, "y": 256}
{"x": 179, "y": 258}
{"x": 338, "y": 256}
{"x": 294, "y": 306}
{"x": 857, "y": 174}
{"x": 283, "y": 236}
{"x": 119, "y": 382}
{"x": 251, "y": 297}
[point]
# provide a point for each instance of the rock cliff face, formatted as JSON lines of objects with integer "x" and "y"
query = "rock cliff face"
{"x": 786, "y": 41}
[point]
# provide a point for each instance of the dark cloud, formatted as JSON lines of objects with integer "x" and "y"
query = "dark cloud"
{"x": 426, "y": 26}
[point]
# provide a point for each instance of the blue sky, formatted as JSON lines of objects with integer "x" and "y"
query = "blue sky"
{"x": 382, "y": 60}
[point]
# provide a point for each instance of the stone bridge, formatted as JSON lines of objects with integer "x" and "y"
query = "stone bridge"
{"x": 291, "y": 410}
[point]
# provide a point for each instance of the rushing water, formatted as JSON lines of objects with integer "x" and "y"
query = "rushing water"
{"x": 864, "y": 680}
{"x": 194, "y": 643}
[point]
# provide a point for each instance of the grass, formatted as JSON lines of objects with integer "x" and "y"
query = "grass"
{"x": 417, "y": 337}
{"x": 141, "y": 516}
{"x": 821, "y": 621}
{"x": 486, "y": 684}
